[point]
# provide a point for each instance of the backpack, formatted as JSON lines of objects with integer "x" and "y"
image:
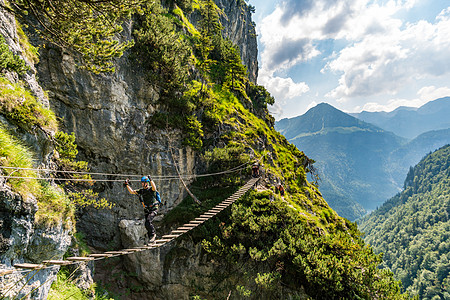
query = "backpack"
{"x": 158, "y": 197}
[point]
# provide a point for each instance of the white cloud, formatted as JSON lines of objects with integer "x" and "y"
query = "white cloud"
{"x": 425, "y": 95}
{"x": 391, "y": 105}
{"x": 275, "y": 109}
{"x": 282, "y": 89}
{"x": 386, "y": 63}
{"x": 429, "y": 93}
{"x": 379, "y": 55}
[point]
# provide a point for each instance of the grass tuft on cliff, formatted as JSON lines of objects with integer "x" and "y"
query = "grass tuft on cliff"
{"x": 52, "y": 202}
{"x": 22, "y": 108}
{"x": 64, "y": 288}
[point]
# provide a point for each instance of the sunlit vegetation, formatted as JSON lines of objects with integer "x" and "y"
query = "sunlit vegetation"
{"x": 53, "y": 205}
{"x": 65, "y": 288}
{"x": 413, "y": 229}
{"x": 87, "y": 28}
{"x": 22, "y": 108}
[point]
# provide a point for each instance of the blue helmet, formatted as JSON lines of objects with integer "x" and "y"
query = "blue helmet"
{"x": 145, "y": 179}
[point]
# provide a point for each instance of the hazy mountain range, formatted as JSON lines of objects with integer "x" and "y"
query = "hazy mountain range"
{"x": 361, "y": 164}
{"x": 410, "y": 122}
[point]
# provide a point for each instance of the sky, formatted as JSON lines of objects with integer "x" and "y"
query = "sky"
{"x": 353, "y": 54}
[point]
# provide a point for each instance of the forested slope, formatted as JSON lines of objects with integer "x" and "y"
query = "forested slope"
{"x": 412, "y": 229}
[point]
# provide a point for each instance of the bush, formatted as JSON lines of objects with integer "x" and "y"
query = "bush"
{"x": 9, "y": 61}
{"x": 20, "y": 107}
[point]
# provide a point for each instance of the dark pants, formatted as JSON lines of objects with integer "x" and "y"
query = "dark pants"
{"x": 149, "y": 216}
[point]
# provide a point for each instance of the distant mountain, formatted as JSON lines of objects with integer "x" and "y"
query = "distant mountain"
{"x": 360, "y": 164}
{"x": 412, "y": 229}
{"x": 401, "y": 159}
{"x": 410, "y": 122}
{"x": 350, "y": 155}
{"x": 319, "y": 118}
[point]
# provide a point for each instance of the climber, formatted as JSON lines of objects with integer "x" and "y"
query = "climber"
{"x": 281, "y": 189}
{"x": 255, "y": 170}
{"x": 148, "y": 197}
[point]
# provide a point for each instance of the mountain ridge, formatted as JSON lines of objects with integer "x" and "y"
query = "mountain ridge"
{"x": 330, "y": 117}
{"x": 361, "y": 163}
{"x": 410, "y": 122}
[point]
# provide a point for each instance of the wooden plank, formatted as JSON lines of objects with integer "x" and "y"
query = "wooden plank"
{"x": 131, "y": 250}
{"x": 190, "y": 225}
{"x": 29, "y": 266}
{"x": 56, "y": 262}
{"x": 179, "y": 231}
{"x": 116, "y": 252}
{"x": 82, "y": 258}
{"x": 162, "y": 241}
{"x": 201, "y": 219}
{"x": 170, "y": 236}
{"x": 184, "y": 228}
{"x": 98, "y": 255}
{"x": 6, "y": 272}
{"x": 197, "y": 222}
{"x": 147, "y": 247}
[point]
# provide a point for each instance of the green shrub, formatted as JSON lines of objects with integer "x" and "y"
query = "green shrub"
{"x": 53, "y": 204}
{"x": 64, "y": 288}
{"x": 30, "y": 52}
{"x": 22, "y": 108}
{"x": 9, "y": 61}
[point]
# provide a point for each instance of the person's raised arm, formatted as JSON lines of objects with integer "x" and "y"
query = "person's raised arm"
{"x": 152, "y": 183}
{"x": 130, "y": 190}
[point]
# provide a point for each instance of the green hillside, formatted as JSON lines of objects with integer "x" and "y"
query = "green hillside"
{"x": 412, "y": 229}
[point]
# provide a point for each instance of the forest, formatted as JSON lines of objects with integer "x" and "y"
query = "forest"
{"x": 412, "y": 229}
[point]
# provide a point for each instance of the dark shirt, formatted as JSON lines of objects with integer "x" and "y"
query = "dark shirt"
{"x": 148, "y": 198}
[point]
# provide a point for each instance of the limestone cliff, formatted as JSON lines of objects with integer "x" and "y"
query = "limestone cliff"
{"x": 110, "y": 115}
{"x": 21, "y": 238}
{"x": 239, "y": 28}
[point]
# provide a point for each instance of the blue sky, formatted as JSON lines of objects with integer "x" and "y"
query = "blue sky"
{"x": 354, "y": 54}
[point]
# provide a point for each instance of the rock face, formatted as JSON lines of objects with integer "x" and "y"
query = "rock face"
{"x": 21, "y": 239}
{"x": 167, "y": 272}
{"x": 110, "y": 116}
{"x": 240, "y": 29}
